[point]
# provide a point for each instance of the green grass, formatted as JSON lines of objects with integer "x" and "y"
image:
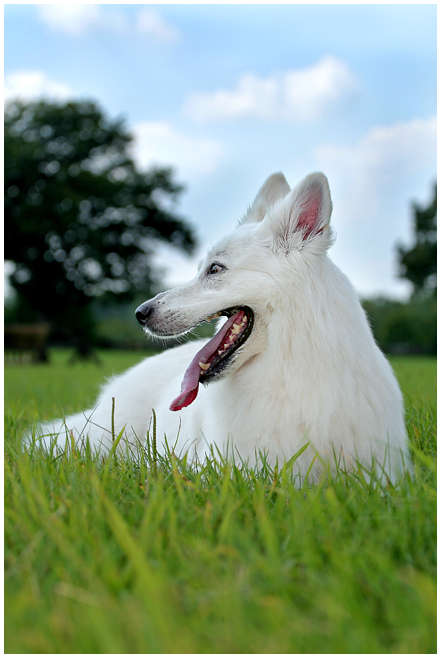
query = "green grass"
{"x": 43, "y": 390}
{"x": 144, "y": 556}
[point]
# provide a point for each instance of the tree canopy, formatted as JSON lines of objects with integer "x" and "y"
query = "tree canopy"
{"x": 411, "y": 326}
{"x": 418, "y": 263}
{"x": 81, "y": 220}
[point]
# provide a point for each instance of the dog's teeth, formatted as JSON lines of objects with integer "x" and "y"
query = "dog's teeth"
{"x": 236, "y": 329}
{"x": 204, "y": 366}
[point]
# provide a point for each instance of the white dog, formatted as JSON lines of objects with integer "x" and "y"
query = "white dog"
{"x": 294, "y": 363}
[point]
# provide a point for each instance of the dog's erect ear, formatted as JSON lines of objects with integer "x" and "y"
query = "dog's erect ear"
{"x": 274, "y": 188}
{"x": 306, "y": 214}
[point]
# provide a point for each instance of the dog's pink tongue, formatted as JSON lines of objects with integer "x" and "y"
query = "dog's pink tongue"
{"x": 190, "y": 383}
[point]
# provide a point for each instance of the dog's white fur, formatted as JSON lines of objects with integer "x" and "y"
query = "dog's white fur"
{"x": 309, "y": 372}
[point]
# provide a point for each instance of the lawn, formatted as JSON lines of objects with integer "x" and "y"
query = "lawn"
{"x": 151, "y": 556}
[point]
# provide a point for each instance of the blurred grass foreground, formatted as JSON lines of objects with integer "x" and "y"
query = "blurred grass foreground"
{"x": 151, "y": 555}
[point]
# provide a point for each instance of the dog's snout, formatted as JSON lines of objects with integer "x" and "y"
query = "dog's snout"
{"x": 143, "y": 312}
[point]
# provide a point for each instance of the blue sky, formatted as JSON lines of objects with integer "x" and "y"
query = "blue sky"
{"x": 228, "y": 94}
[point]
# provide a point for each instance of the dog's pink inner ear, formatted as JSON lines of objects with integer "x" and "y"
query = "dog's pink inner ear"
{"x": 310, "y": 214}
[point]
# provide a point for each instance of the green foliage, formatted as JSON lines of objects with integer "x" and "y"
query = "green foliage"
{"x": 404, "y": 327}
{"x": 418, "y": 263}
{"x": 80, "y": 219}
{"x": 133, "y": 554}
{"x": 411, "y": 326}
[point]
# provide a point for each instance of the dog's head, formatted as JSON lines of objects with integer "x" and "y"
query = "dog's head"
{"x": 282, "y": 236}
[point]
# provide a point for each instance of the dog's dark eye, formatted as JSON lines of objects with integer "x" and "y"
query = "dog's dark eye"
{"x": 215, "y": 268}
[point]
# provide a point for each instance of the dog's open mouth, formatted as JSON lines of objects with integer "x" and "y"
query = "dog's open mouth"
{"x": 215, "y": 356}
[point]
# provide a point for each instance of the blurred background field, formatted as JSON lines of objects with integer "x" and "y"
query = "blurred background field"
{"x": 44, "y": 390}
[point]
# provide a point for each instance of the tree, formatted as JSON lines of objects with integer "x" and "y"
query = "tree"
{"x": 81, "y": 221}
{"x": 418, "y": 263}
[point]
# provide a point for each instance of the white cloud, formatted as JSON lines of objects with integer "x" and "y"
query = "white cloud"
{"x": 299, "y": 95}
{"x": 79, "y": 18}
{"x": 151, "y": 23}
{"x": 73, "y": 19}
{"x": 158, "y": 143}
{"x": 385, "y": 158}
{"x": 28, "y": 85}
{"x": 373, "y": 184}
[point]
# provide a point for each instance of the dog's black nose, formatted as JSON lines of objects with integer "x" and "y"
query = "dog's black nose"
{"x": 143, "y": 312}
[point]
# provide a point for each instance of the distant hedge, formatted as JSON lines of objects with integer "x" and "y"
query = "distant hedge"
{"x": 403, "y": 327}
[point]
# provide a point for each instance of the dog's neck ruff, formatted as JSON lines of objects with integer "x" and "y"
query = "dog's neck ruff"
{"x": 210, "y": 355}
